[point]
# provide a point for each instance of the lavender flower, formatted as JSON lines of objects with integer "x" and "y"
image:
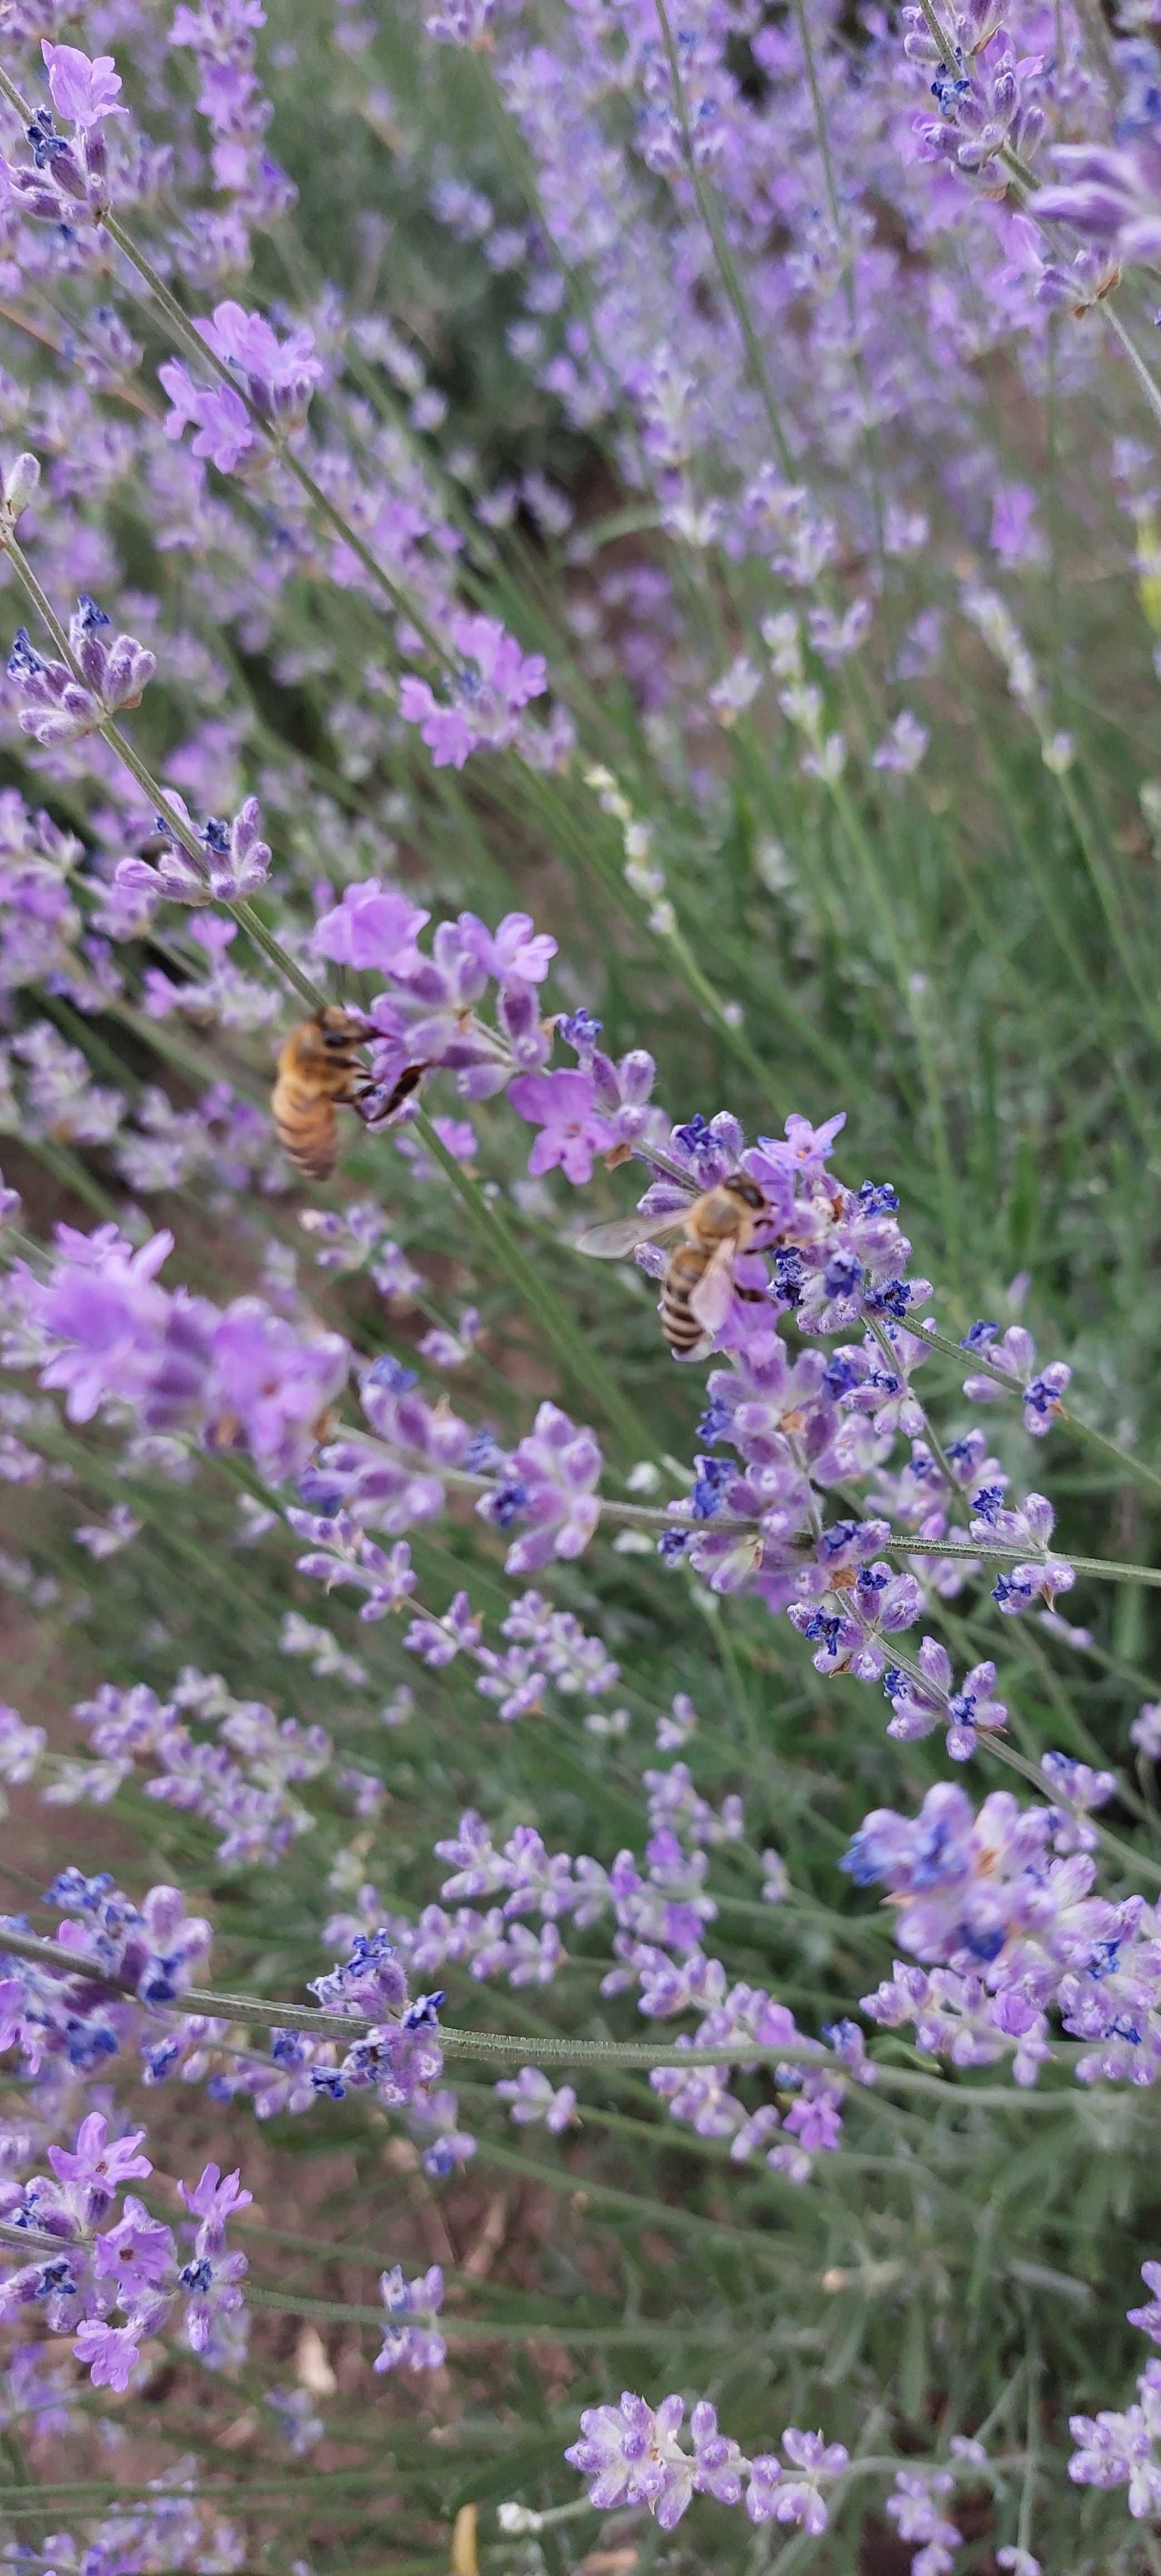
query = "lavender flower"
{"x": 549, "y": 1489}
{"x": 533, "y": 2098}
{"x": 60, "y": 707}
{"x": 411, "y": 2341}
{"x": 492, "y": 685}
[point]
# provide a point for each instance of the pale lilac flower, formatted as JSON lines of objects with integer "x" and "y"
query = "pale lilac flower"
{"x": 374, "y": 927}
{"x": 903, "y": 746}
{"x": 572, "y": 1129}
{"x": 82, "y": 90}
{"x": 411, "y": 2341}
{"x": 533, "y": 2098}
{"x": 110, "y": 2353}
{"x": 794, "y": 2494}
{"x": 1111, "y": 195}
{"x": 549, "y": 1488}
{"x": 1149, "y": 2318}
{"x": 631, "y": 2454}
{"x": 217, "y": 414}
{"x": 1118, "y": 2450}
{"x": 914, "y": 2510}
{"x": 515, "y": 949}
{"x": 1015, "y": 1354}
{"x": 493, "y": 683}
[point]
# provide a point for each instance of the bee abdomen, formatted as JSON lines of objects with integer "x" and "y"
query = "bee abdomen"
{"x": 307, "y": 1133}
{"x": 679, "y": 1324}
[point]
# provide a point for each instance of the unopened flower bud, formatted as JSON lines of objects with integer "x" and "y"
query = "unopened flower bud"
{"x": 1058, "y": 754}
{"x": 518, "y": 2519}
{"x": 20, "y": 484}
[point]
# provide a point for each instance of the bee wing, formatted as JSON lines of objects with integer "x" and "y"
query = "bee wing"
{"x": 617, "y": 1240}
{"x": 710, "y": 1300}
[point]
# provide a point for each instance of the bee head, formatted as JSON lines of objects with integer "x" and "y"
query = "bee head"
{"x": 337, "y": 1027}
{"x": 747, "y": 1191}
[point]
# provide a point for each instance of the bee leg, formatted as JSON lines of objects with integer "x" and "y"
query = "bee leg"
{"x": 753, "y": 1296}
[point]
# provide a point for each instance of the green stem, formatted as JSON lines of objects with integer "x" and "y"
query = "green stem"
{"x": 1143, "y": 373}
{"x": 491, "y": 2046}
{"x": 581, "y": 1363}
{"x": 979, "y": 1365}
{"x": 1105, "y": 1568}
{"x": 934, "y": 1442}
{"x": 710, "y": 213}
{"x": 484, "y": 2330}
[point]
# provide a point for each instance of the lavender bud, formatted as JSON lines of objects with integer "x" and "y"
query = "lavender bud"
{"x": 20, "y": 483}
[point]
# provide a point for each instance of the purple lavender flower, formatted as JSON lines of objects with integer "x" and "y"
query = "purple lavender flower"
{"x": 1109, "y": 194}
{"x": 218, "y": 416}
{"x": 1145, "y": 1731}
{"x": 494, "y": 682}
{"x": 1118, "y": 2450}
{"x": 1149, "y": 2318}
{"x": 563, "y": 1105}
{"x": 1016, "y": 1355}
{"x": 277, "y": 377}
{"x": 549, "y": 1487}
{"x": 374, "y": 927}
{"x": 83, "y": 91}
{"x": 914, "y": 2510}
{"x": 59, "y": 707}
{"x": 532, "y": 2098}
{"x": 631, "y": 2454}
{"x": 775, "y": 2493}
{"x": 411, "y": 2341}
{"x": 109, "y": 2353}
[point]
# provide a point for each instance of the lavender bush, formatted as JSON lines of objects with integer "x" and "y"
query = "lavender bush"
{"x": 623, "y": 547}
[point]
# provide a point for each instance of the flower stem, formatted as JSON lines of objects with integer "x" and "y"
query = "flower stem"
{"x": 582, "y": 1364}
{"x": 710, "y": 213}
{"x": 981, "y": 1366}
{"x": 493, "y": 2045}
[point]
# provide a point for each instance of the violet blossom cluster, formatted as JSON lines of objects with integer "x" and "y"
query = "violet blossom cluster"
{"x": 1120, "y": 2450}
{"x": 241, "y": 1780}
{"x": 295, "y": 455}
{"x": 129, "y": 2267}
{"x": 633, "y": 2454}
{"x": 104, "y": 1330}
{"x": 826, "y": 1259}
{"x": 1000, "y": 1909}
{"x": 60, "y": 706}
{"x": 131, "y": 1962}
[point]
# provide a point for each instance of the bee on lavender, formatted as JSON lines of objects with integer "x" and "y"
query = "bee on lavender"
{"x": 717, "y": 1227}
{"x": 319, "y": 1072}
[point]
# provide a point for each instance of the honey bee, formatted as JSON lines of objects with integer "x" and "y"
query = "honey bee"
{"x": 699, "y": 1282}
{"x": 319, "y": 1072}
{"x": 318, "y": 1069}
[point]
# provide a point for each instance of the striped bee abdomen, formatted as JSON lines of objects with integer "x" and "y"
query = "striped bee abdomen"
{"x": 679, "y": 1324}
{"x": 307, "y": 1128}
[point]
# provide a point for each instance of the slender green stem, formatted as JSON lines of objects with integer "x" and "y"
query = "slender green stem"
{"x": 978, "y": 1364}
{"x": 944, "y": 42}
{"x": 934, "y": 1442}
{"x": 1143, "y": 373}
{"x": 583, "y": 1365}
{"x": 654, "y": 1516}
{"x": 1105, "y": 1569}
{"x": 710, "y": 212}
{"x": 491, "y": 2045}
{"x": 485, "y": 2330}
